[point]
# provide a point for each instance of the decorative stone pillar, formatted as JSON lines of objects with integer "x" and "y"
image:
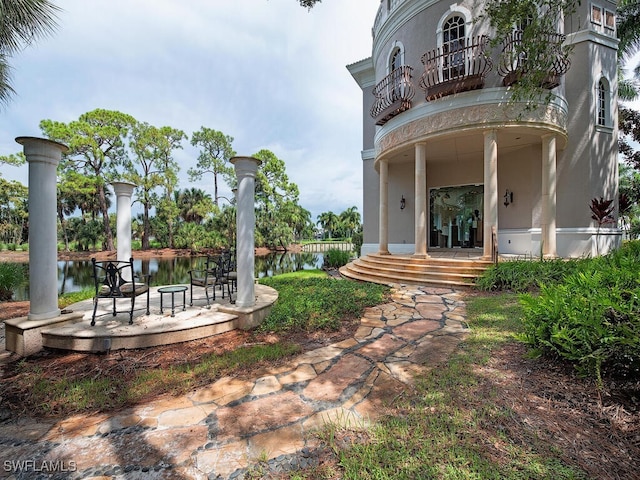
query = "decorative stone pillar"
{"x": 490, "y": 191}
{"x": 383, "y": 228}
{"x": 548, "y": 224}
{"x": 43, "y": 157}
{"x": 246, "y": 168}
{"x": 421, "y": 200}
{"x": 123, "y": 191}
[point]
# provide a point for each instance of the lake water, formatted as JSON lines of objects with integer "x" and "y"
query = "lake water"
{"x": 74, "y": 276}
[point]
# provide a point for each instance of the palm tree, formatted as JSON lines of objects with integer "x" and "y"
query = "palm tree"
{"x": 328, "y": 221}
{"x": 301, "y": 222}
{"x": 628, "y": 28}
{"x": 350, "y": 219}
{"x": 21, "y": 23}
{"x": 194, "y": 203}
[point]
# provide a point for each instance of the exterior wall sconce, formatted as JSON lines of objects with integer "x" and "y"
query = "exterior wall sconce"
{"x": 508, "y": 198}
{"x": 403, "y": 203}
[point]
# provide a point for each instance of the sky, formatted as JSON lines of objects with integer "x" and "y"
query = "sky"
{"x": 269, "y": 73}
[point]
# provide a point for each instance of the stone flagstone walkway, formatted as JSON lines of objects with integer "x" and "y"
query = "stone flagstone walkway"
{"x": 220, "y": 431}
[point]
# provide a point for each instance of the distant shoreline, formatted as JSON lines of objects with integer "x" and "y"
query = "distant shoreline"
{"x": 23, "y": 257}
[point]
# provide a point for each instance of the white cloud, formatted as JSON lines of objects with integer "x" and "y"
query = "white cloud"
{"x": 266, "y": 72}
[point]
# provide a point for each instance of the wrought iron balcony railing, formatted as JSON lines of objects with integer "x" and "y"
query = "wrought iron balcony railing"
{"x": 514, "y": 62}
{"x": 455, "y": 68}
{"x": 393, "y": 95}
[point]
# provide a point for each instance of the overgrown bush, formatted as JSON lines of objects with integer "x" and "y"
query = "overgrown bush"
{"x": 318, "y": 303}
{"x": 12, "y": 275}
{"x": 334, "y": 258}
{"x": 591, "y": 318}
{"x": 357, "y": 239}
{"x": 525, "y": 275}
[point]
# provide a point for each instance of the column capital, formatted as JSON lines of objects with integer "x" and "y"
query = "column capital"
{"x": 245, "y": 166}
{"x": 123, "y": 188}
{"x": 42, "y": 149}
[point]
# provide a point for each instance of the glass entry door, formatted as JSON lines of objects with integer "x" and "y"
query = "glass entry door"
{"x": 455, "y": 219}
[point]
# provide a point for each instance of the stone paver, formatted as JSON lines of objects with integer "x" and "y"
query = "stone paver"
{"x": 220, "y": 431}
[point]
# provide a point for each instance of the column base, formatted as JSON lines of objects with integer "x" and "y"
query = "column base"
{"x": 384, "y": 252}
{"x": 420, "y": 255}
{"x": 43, "y": 316}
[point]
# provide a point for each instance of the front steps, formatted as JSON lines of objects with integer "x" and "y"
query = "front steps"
{"x": 406, "y": 269}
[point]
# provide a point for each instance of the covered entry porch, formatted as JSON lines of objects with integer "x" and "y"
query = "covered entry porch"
{"x": 463, "y": 189}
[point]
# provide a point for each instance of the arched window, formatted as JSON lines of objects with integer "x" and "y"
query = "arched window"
{"x": 603, "y": 107}
{"x": 395, "y": 60}
{"x": 453, "y": 43}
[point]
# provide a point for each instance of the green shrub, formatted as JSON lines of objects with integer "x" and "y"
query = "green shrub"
{"x": 525, "y": 275}
{"x": 318, "y": 303}
{"x": 12, "y": 275}
{"x": 357, "y": 239}
{"x": 334, "y": 258}
{"x": 12, "y": 247}
{"x": 592, "y": 318}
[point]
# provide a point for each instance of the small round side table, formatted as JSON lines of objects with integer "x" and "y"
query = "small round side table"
{"x": 173, "y": 289}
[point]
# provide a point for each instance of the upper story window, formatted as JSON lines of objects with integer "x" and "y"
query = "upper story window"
{"x": 396, "y": 57}
{"x": 397, "y": 78}
{"x": 453, "y": 43}
{"x": 603, "y": 20}
{"x": 395, "y": 61}
{"x": 603, "y": 104}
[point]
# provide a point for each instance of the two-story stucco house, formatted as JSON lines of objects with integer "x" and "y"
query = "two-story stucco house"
{"x": 449, "y": 161}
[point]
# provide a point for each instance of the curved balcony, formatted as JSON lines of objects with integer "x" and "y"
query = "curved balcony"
{"x": 514, "y": 64}
{"x": 393, "y": 95}
{"x": 454, "y": 70}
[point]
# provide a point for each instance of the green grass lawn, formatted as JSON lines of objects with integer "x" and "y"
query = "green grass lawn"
{"x": 445, "y": 429}
{"x": 449, "y": 427}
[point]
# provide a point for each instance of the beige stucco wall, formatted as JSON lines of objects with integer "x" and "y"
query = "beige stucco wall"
{"x": 371, "y": 198}
{"x": 587, "y": 168}
{"x": 401, "y": 222}
{"x": 586, "y": 157}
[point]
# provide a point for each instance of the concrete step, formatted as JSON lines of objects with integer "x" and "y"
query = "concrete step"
{"x": 390, "y": 269}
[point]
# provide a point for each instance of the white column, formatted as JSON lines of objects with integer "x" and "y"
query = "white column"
{"x": 246, "y": 168}
{"x": 421, "y": 200}
{"x": 548, "y": 224}
{"x": 383, "y": 228}
{"x": 490, "y": 220}
{"x": 43, "y": 157}
{"x": 123, "y": 191}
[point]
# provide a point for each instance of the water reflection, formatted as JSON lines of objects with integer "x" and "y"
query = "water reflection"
{"x": 74, "y": 276}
